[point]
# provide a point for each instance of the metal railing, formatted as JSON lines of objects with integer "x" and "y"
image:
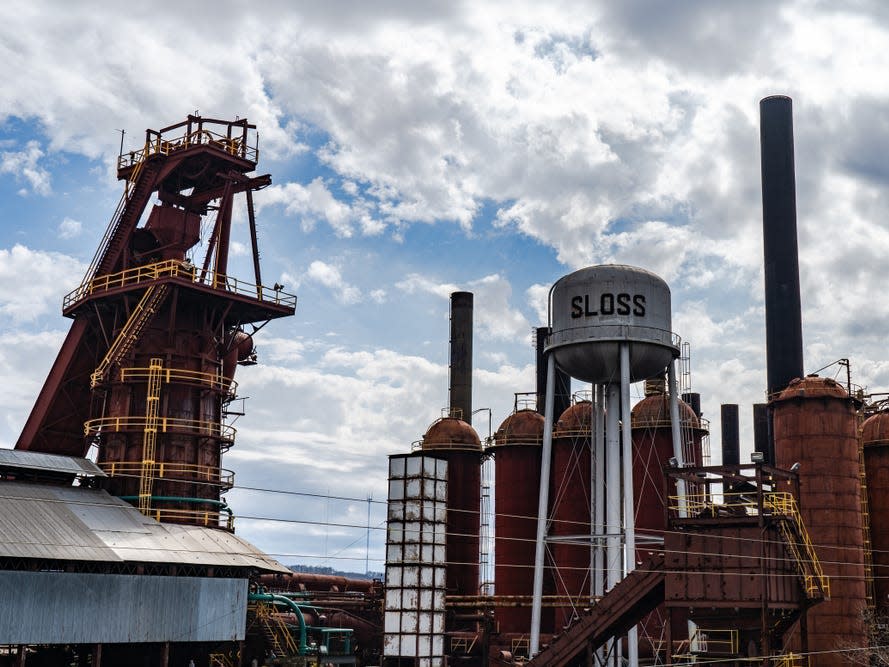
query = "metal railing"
{"x": 210, "y": 429}
{"x": 209, "y": 518}
{"x": 183, "y": 270}
{"x": 781, "y": 504}
{"x": 158, "y": 144}
{"x": 175, "y": 472}
{"x": 214, "y": 381}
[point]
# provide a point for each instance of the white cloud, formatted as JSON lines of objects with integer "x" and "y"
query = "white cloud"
{"x": 330, "y": 276}
{"x": 30, "y": 280}
{"x": 70, "y": 228}
{"x": 25, "y": 166}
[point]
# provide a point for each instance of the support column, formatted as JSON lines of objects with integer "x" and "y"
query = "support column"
{"x": 542, "y": 508}
{"x": 629, "y": 504}
{"x": 613, "y": 564}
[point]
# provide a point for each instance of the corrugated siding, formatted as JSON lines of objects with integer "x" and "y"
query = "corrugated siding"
{"x": 72, "y": 523}
{"x": 62, "y": 608}
{"x": 25, "y": 460}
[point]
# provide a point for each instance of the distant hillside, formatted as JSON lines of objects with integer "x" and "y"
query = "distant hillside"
{"x": 321, "y": 569}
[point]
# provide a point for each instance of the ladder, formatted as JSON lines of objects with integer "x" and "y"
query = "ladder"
{"x": 131, "y": 331}
{"x": 274, "y": 630}
{"x": 865, "y": 524}
{"x": 149, "y": 437}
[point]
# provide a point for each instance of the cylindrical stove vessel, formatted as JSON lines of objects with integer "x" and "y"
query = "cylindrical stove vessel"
{"x": 570, "y": 500}
{"x": 875, "y": 438}
{"x": 517, "y": 450}
{"x": 815, "y": 425}
{"x": 457, "y": 442}
{"x": 652, "y": 450}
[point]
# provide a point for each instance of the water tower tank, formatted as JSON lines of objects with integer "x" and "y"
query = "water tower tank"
{"x": 595, "y": 309}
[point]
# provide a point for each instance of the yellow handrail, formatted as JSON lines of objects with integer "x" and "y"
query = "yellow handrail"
{"x": 215, "y": 381}
{"x": 207, "y": 518}
{"x": 95, "y": 427}
{"x": 162, "y": 146}
{"x": 132, "y": 329}
{"x": 180, "y": 472}
{"x": 174, "y": 268}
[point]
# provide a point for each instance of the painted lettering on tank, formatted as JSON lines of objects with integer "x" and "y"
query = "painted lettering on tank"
{"x": 624, "y": 303}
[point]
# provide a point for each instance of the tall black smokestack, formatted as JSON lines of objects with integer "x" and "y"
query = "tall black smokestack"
{"x": 784, "y": 335}
{"x": 761, "y": 440}
{"x": 461, "y": 356}
{"x": 562, "y": 396}
{"x": 731, "y": 435}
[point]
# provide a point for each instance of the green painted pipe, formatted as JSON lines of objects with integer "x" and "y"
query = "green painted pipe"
{"x": 223, "y": 507}
{"x": 269, "y": 597}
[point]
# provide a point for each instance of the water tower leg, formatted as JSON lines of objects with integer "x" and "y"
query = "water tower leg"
{"x": 629, "y": 505}
{"x": 613, "y": 555}
{"x": 542, "y": 507}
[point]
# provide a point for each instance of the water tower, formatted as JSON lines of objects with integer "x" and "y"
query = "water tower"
{"x": 610, "y": 326}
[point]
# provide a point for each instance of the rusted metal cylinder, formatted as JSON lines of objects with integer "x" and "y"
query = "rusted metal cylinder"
{"x": 652, "y": 449}
{"x": 815, "y": 425}
{"x": 875, "y": 438}
{"x": 731, "y": 434}
{"x": 517, "y": 450}
{"x": 570, "y": 501}
{"x": 457, "y": 442}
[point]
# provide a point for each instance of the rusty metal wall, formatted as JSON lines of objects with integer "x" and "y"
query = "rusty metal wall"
{"x": 570, "y": 501}
{"x": 456, "y": 442}
{"x": 517, "y": 457}
{"x": 875, "y": 438}
{"x": 815, "y": 425}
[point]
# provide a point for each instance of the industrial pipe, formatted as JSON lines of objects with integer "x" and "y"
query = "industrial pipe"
{"x": 280, "y": 599}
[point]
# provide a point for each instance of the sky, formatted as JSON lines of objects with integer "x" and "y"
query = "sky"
{"x": 417, "y": 148}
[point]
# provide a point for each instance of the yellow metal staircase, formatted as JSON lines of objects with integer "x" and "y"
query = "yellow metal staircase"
{"x": 131, "y": 331}
{"x": 816, "y": 583}
{"x": 274, "y": 630}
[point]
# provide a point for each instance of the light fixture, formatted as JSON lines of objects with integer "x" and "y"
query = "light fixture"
{"x": 795, "y": 467}
{"x": 756, "y": 457}
{"x": 673, "y": 462}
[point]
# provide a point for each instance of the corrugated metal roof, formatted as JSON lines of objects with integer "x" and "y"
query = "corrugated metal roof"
{"x": 24, "y": 460}
{"x": 73, "y": 523}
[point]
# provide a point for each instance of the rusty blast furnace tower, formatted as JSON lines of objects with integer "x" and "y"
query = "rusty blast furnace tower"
{"x": 145, "y": 373}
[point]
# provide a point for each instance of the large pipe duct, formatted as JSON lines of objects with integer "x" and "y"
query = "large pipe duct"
{"x": 784, "y": 337}
{"x": 731, "y": 435}
{"x": 461, "y": 356}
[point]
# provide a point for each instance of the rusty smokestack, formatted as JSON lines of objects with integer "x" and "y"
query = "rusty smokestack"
{"x": 784, "y": 337}
{"x": 460, "y": 383}
{"x": 731, "y": 435}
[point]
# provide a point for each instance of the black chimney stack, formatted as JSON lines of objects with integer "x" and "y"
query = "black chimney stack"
{"x": 731, "y": 435}
{"x": 784, "y": 336}
{"x": 461, "y": 356}
{"x": 693, "y": 399}
{"x": 761, "y": 440}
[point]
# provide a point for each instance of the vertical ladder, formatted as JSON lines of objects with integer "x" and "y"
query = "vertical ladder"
{"x": 131, "y": 331}
{"x": 149, "y": 438}
{"x": 865, "y": 523}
